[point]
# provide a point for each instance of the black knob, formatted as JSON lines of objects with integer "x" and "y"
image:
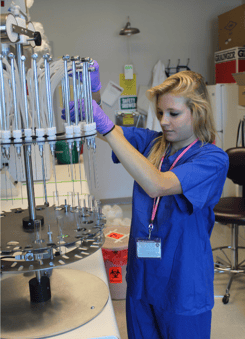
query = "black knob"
{"x": 37, "y": 38}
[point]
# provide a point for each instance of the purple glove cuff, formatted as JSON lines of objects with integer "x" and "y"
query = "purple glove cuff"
{"x": 96, "y": 88}
{"x": 109, "y": 131}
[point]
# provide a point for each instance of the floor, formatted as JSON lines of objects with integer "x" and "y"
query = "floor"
{"x": 228, "y": 321}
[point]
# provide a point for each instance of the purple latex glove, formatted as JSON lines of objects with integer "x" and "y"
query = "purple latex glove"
{"x": 72, "y": 111}
{"x": 94, "y": 76}
{"x": 103, "y": 123}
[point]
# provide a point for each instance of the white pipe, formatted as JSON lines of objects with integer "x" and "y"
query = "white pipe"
{"x": 8, "y": 98}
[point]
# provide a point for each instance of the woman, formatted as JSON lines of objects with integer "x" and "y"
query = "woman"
{"x": 170, "y": 265}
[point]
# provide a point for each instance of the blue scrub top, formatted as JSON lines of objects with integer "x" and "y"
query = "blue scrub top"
{"x": 182, "y": 281}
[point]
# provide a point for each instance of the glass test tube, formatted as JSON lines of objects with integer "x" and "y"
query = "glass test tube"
{"x": 56, "y": 201}
{"x": 60, "y": 225}
{"x": 38, "y": 231}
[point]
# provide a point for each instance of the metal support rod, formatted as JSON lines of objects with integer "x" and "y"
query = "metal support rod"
{"x": 38, "y": 276}
{"x": 29, "y": 182}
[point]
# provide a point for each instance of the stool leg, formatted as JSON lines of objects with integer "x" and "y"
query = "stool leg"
{"x": 235, "y": 246}
{"x": 229, "y": 284}
{"x": 227, "y": 294}
{"x": 234, "y": 255}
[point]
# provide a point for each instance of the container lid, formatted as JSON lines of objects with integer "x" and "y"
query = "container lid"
{"x": 240, "y": 78}
{"x": 116, "y": 238}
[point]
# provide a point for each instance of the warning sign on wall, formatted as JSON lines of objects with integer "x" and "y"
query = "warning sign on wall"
{"x": 115, "y": 275}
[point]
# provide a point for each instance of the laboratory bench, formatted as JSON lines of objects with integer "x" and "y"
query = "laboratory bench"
{"x": 104, "y": 325}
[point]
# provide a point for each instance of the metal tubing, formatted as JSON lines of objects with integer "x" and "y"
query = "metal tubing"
{"x": 34, "y": 58}
{"x": 48, "y": 89}
{"x": 79, "y": 90}
{"x": 44, "y": 182}
{"x": 88, "y": 91}
{"x": 38, "y": 276}
{"x": 90, "y": 100}
{"x": 67, "y": 88}
{"x": 75, "y": 88}
{"x": 19, "y": 53}
{"x": 85, "y": 90}
{"x": 29, "y": 182}
{"x": 1, "y": 113}
{"x": 50, "y": 96}
{"x": 63, "y": 91}
{"x": 2, "y": 99}
{"x": 23, "y": 58}
{"x": 16, "y": 117}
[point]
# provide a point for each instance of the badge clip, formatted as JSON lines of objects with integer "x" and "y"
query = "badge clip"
{"x": 150, "y": 227}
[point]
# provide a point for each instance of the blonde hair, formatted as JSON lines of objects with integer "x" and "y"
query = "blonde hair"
{"x": 192, "y": 87}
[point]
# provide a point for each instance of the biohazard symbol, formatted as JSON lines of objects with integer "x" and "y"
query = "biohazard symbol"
{"x": 115, "y": 235}
{"x": 115, "y": 275}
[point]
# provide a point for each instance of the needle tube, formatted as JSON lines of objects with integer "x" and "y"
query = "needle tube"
{"x": 38, "y": 231}
{"x": 44, "y": 182}
{"x": 4, "y": 123}
{"x": 66, "y": 58}
{"x": 71, "y": 168}
{"x": 85, "y": 90}
{"x": 48, "y": 89}
{"x": 90, "y": 100}
{"x": 34, "y": 60}
{"x": 16, "y": 115}
{"x": 74, "y": 59}
{"x": 23, "y": 58}
{"x": 60, "y": 225}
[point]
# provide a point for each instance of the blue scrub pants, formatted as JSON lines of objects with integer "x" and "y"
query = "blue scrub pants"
{"x": 144, "y": 321}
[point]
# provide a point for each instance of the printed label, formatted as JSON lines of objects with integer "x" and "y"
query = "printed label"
{"x": 127, "y": 103}
{"x": 128, "y": 120}
{"x": 229, "y": 55}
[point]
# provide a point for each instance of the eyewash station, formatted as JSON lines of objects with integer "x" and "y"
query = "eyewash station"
{"x": 48, "y": 218}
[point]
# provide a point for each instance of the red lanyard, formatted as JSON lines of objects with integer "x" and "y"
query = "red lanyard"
{"x": 155, "y": 205}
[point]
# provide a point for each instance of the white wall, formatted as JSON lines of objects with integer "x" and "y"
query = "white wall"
{"x": 168, "y": 30}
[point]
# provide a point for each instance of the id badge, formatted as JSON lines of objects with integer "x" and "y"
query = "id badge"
{"x": 150, "y": 249}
